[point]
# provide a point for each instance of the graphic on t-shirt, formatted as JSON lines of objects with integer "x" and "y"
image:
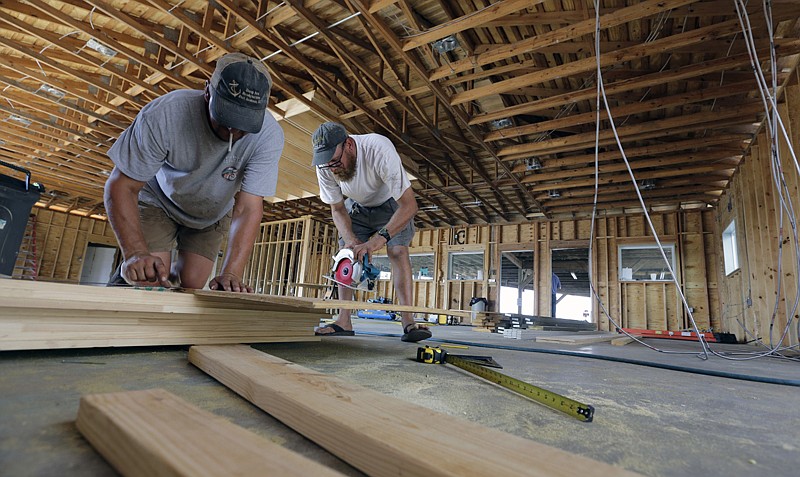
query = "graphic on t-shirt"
{"x": 229, "y": 173}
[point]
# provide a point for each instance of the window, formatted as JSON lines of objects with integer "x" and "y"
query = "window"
{"x": 422, "y": 266}
{"x": 382, "y": 262}
{"x": 729, "y": 250}
{"x": 465, "y": 266}
{"x": 644, "y": 262}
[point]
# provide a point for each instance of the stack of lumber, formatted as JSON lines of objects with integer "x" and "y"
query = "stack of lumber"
{"x": 42, "y": 315}
{"x": 488, "y": 320}
{"x": 498, "y": 321}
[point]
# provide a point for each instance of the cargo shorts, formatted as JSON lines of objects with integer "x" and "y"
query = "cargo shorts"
{"x": 163, "y": 234}
{"x": 368, "y": 220}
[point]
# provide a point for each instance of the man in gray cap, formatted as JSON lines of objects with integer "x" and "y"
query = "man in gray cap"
{"x": 193, "y": 165}
{"x": 379, "y": 210}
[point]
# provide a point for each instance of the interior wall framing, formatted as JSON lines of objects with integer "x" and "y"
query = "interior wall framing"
{"x": 758, "y": 298}
{"x": 61, "y": 240}
{"x": 291, "y": 256}
{"x": 635, "y": 304}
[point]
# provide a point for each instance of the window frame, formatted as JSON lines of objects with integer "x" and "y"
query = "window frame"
{"x": 662, "y": 276}
{"x": 387, "y": 275}
{"x": 452, "y": 254}
{"x": 730, "y": 249}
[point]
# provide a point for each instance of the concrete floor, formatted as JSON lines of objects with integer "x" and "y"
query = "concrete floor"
{"x": 654, "y": 421}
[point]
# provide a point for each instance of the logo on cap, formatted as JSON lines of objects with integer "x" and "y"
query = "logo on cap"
{"x": 241, "y": 88}
{"x": 233, "y": 88}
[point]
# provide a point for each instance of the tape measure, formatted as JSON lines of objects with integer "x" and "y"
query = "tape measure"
{"x": 578, "y": 410}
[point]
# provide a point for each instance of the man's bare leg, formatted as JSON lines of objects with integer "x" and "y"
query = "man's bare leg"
{"x": 193, "y": 269}
{"x": 403, "y": 283}
{"x": 343, "y": 319}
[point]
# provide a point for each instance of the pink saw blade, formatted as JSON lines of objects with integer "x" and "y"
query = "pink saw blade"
{"x": 344, "y": 272}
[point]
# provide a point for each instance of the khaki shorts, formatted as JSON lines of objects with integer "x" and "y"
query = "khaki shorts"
{"x": 162, "y": 234}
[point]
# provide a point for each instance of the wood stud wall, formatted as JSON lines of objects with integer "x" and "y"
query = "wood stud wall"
{"x": 291, "y": 256}
{"x": 61, "y": 241}
{"x": 766, "y": 248}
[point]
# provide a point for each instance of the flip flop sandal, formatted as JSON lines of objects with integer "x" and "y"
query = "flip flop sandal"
{"x": 416, "y": 334}
{"x": 337, "y": 331}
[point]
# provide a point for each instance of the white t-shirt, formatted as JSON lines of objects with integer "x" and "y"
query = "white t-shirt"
{"x": 379, "y": 174}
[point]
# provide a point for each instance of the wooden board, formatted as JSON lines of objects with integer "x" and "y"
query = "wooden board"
{"x": 154, "y": 432}
{"x": 318, "y": 304}
{"x": 378, "y": 434}
{"x": 577, "y": 339}
{"x": 41, "y": 315}
{"x": 622, "y": 341}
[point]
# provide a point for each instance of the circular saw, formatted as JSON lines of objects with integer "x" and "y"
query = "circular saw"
{"x": 349, "y": 272}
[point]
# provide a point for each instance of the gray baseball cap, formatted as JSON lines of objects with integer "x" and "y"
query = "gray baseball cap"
{"x": 240, "y": 87}
{"x": 324, "y": 141}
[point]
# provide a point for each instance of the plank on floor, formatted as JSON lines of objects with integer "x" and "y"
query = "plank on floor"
{"x": 378, "y": 434}
{"x": 577, "y": 339}
{"x": 153, "y": 432}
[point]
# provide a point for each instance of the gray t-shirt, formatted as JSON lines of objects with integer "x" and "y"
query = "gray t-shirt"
{"x": 187, "y": 169}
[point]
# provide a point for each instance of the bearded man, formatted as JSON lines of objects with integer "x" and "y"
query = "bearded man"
{"x": 372, "y": 203}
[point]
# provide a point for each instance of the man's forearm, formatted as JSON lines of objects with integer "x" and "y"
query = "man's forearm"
{"x": 121, "y": 204}
{"x": 244, "y": 229}
{"x": 343, "y": 224}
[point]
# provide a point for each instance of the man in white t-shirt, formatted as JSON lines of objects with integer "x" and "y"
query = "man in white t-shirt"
{"x": 194, "y": 164}
{"x": 372, "y": 204}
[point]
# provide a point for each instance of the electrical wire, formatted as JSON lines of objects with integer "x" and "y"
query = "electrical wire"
{"x": 602, "y": 94}
{"x": 577, "y": 354}
{"x": 775, "y": 127}
{"x": 774, "y": 123}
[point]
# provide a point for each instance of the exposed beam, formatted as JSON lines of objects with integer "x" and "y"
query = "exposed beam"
{"x": 472, "y": 20}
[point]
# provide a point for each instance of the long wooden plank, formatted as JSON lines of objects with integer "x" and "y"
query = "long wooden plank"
{"x": 153, "y": 432}
{"x": 318, "y": 304}
{"x": 362, "y": 305}
{"x": 116, "y": 298}
{"x": 378, "y": 434}
{"x": 40, "y": 315}
{"x": 577, "y": 339}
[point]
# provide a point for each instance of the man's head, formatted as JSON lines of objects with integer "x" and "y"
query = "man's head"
{"x": 238, "y": 93}
{"x": 334, "y": 150}
{"x": 325, "y": 141}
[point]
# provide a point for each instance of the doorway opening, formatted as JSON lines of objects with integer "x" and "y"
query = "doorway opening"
{"x": 516, "y": 282}
{"x": 99, "y": 262}
{"x": 573, "y": 299}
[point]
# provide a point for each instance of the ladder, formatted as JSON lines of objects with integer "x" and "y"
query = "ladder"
{"x": 26, "y": 267}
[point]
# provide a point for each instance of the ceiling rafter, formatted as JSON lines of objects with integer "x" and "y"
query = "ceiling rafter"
{"x": 575, "y": 30}
{"x": 394, "y": 42}
{"x": 488, "y": 129}
{"x": 289, "y": 51}
{"x": 585, "y": 65}
{"x": 581, "y": 141}
{"x": 351, "y": 59}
